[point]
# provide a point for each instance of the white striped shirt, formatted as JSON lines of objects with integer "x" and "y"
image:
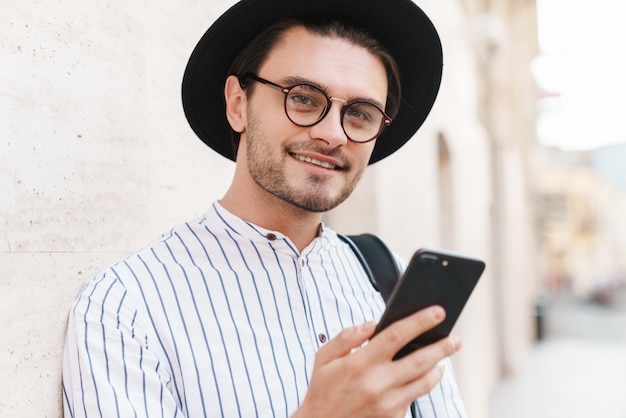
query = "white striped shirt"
{"x": 218, "y": 318}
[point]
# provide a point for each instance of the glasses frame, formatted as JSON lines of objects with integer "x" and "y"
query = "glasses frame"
{"x": 329, "y": 101}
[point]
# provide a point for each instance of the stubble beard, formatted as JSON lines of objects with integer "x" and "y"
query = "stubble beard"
{"x": 268, "y": 172}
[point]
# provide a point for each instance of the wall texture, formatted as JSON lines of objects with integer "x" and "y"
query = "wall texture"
{"x": 96, "y": 159}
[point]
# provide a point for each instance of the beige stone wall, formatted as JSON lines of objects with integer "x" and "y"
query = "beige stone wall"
{"x": 96, "y": 160}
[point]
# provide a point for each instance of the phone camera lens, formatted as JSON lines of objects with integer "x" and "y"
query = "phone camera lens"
{"x": 429, "y": 260}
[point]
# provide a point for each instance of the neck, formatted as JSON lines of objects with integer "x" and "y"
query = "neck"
{"x": 267, "y": 211}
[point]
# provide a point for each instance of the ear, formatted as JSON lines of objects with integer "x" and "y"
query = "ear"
{"x": 236, "y": 102}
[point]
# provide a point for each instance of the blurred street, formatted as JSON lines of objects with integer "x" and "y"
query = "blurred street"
{"x": 577, "y": 370}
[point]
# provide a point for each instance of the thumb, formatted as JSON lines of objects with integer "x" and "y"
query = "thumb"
{"x": 343, "y": 344}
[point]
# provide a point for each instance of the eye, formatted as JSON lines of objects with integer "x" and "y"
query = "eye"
{"x": 362, "y": 113}
{"x": 302, "y": 99}
{"x": 356, "y": 113}
{"x": 306, "y": 98}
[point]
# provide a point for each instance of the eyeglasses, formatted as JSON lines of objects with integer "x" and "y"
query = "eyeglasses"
{"x": 306, "y": 105}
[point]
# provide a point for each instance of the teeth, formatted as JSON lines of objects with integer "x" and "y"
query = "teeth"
{"x": 316, "y": 162}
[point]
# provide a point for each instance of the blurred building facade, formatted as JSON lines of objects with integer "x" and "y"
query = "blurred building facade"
{"x": 582, "y": 230}
{"x": 97, "y": 159}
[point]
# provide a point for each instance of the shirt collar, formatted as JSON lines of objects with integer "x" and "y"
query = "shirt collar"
{"x": 251, "y": 231}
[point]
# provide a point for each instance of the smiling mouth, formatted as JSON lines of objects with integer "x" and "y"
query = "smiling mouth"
{"x": 313, "y": 161}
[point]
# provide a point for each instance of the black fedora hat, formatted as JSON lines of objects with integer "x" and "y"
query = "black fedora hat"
{"x": 399, "y": 25}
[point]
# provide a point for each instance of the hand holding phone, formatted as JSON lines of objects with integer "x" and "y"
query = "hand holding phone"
{"x": 433, "y": 277}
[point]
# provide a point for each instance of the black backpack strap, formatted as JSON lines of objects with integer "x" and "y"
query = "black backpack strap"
{"x": 377, "y": 260}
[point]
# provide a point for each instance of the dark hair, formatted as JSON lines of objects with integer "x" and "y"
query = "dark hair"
{"x": 252, "y": 57}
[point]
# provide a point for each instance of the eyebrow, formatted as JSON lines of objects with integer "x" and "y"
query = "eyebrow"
{"x": 292, "y": 80}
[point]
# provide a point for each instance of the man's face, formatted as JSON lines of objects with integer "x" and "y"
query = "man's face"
{"x": 312, "y": 168}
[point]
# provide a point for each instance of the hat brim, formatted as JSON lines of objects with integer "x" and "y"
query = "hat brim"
{"x": 400, "y": 25}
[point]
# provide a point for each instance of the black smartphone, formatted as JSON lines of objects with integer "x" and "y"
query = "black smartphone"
{"x": 433, "y": 277}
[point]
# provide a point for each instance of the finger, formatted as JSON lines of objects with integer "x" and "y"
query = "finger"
{"x": 401, "y": 397}
{"x": 421, "y": 362}
{"x": 420, "y": 387}
{"x": 389, "y": 341}
{"x": 346, "y": 341}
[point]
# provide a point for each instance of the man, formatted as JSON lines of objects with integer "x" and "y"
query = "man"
{"x": 257, "y": 308}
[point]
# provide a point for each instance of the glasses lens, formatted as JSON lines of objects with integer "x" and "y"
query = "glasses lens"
{"x": 362, "y": 121}
{"x": 305, "y": 104}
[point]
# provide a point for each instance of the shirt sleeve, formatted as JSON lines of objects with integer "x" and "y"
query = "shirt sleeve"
{"x": 108, "y": 367}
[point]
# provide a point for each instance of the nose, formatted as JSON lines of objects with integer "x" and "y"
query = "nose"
{"x": 330, "y": 128}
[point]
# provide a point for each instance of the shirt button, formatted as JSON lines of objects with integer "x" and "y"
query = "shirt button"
{"x": 323, "y": 338}
{"x": 271, "y": 236}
